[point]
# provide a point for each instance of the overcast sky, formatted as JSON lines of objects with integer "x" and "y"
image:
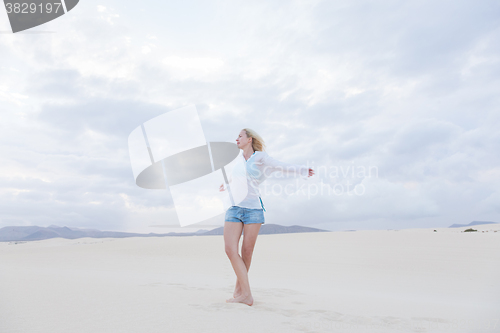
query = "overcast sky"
{"x": 409, "y": 89}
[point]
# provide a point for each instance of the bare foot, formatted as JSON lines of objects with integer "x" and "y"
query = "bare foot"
{"x": 248, "y": 300}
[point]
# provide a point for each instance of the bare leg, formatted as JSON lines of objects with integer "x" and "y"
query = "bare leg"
{"x": 237, "y": 288}
{"x": 251, "y": 231}
{"x": 232, "y": 234}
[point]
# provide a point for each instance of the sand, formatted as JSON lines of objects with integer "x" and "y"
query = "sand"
{"x": 413, "y": 280}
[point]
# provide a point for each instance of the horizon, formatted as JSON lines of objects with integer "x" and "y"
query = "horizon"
{"x": 184, "y": 230}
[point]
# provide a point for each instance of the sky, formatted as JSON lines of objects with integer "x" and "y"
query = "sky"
{"x": 395, "y": 104}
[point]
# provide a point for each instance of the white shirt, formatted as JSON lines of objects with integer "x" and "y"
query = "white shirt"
{"x": 256, "y": 170}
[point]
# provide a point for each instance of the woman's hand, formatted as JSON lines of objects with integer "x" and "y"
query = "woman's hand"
{"x": 311, "y": 172}
{"x": 221, "y": 188}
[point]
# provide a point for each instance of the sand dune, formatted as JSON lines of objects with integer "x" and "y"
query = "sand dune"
{"x": 413, "y": 280}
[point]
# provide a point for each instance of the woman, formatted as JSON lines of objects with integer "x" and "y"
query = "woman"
{"x": 248, "y": 214}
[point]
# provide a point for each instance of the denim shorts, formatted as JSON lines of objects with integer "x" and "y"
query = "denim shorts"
{"x": 245, "y": 215}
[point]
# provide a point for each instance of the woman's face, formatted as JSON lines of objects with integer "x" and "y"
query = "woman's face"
{"x": 243, "y": 141}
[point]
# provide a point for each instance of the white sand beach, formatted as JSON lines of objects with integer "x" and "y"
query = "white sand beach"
{"x": 413, "y": 280}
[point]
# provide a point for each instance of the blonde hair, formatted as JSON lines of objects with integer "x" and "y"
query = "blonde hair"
{"x": 257, "y": 141}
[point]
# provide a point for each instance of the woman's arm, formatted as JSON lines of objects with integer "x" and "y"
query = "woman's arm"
{"x": 272, "y": 165}
{"x": 224, "y": 186}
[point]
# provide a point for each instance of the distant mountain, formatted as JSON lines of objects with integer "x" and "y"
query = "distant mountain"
{"x": 272, "y": 229}
{"x": 471, "y": 224}
{"x": 32, "y": 233}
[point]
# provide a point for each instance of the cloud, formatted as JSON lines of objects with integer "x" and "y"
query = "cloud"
{"x": 410, "y": 88}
